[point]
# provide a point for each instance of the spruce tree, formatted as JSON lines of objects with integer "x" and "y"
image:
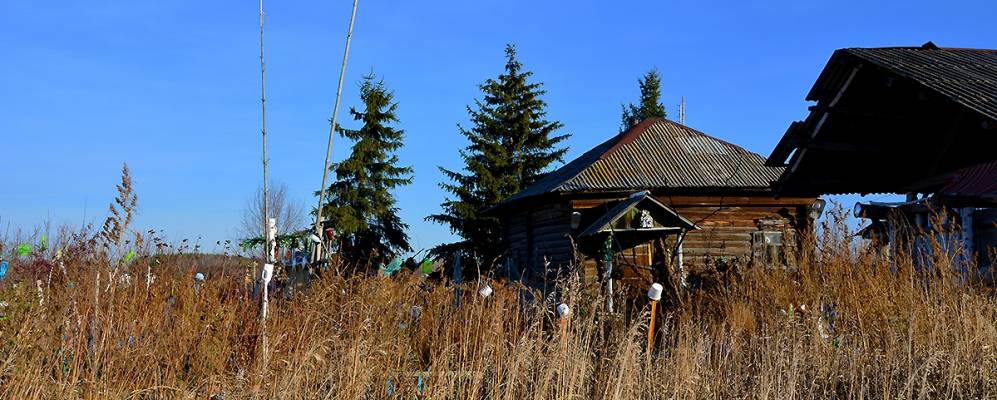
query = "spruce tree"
{"x": 361, "y": 205}
{"x": 650, "y": 102}
{"x": 511, "y": 145}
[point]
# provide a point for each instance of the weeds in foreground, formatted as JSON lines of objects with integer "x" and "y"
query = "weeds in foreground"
{"x": 845, "y": 323}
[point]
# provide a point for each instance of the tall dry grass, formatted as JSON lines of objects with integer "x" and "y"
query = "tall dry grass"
{"x": 844, "y": 324}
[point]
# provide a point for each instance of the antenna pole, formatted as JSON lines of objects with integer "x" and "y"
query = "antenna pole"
{"x": 682, "y": 111}
{"x": 332, "y": 131}
{"x": 267, "y": 268}
{"x": 263, "y": 113}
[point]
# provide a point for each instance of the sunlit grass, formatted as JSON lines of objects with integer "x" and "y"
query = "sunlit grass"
{"x": 840, "y": 325}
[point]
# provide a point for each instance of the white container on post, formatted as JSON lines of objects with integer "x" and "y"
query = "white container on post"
{"x": 271, "y": 239}
{"x": 654, "y": 293}
{"x": 265, "y": 277}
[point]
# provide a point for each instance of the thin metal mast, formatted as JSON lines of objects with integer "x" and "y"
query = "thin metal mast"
{"x": 682, "y": 111}
{"x": 266, "y": 270}
{"x": 332, "y": 131}
{"x": 263, "y": 109}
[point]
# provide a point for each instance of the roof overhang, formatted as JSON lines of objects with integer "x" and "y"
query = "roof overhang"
{"x": 672, "y": 223}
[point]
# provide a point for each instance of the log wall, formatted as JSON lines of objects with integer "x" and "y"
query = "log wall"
{"x": 540, "y": 236}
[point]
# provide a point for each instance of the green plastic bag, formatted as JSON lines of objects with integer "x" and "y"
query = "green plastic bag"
{"x": 426, "y": 266}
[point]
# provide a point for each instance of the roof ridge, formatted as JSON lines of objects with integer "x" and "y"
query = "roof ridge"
{"x": 936, "y": 48}
{"x": 698, "y": 132}
{"x": 711, "y": 137}
{"x": 630, "y": 135}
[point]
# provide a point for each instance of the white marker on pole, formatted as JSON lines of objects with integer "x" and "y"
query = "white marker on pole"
{"x": 485, "y": 291}
{"x": 266, "y": 276}
{"x": 654, "y": 293}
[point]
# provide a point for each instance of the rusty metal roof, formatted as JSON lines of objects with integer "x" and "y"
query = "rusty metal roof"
{"x": 976, "y": 181}
{"x": 967, "y": 76}
{"x": 658, "y": 154}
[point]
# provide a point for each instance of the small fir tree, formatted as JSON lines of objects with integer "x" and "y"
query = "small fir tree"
{"x": 511, "y": 145}
{"x": 650, "y": 102}
{"x": 361, "y": 206}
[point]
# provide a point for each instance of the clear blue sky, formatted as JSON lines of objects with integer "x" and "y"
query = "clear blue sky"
{"x": 172, "y": 87}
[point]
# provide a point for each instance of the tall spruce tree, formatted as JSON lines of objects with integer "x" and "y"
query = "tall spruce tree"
{"x": 361, "y": 205}
{"x": 650, "y": 101}
{"x": 511, "y": 145}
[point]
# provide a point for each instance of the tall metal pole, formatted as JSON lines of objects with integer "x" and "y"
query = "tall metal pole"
{"x": 266, "y": 272}
{"x": 332, "y": 131}
{"x": 263, "y": 106}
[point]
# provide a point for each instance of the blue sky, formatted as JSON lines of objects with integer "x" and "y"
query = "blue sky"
{"x": 172, "y": 87}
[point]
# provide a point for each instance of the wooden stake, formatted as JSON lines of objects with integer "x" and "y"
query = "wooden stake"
{"x": 564, "y": 312}
{"x": 564, "y": 332}
{"x": 650, "y": 328}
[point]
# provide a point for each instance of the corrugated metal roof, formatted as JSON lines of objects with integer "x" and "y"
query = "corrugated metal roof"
{"x": 967, "y": 76}
{"x": 658, "y": 154}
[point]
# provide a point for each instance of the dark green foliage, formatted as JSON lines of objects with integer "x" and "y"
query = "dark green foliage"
{"x": 361, "y": 205}
{"x": 650, "y": 102}
{"x": 511, "y": 145}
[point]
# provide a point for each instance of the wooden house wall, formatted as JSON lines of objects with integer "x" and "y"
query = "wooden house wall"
{"x": 538, "y": 236}
{"x": 543, "y": 232}
{"x": 985, "y": 236}
{"x": 517, "y": 238}
{"x": 726, "y": 223}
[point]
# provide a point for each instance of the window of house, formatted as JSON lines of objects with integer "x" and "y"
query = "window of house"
{"x": 768, "y": 249}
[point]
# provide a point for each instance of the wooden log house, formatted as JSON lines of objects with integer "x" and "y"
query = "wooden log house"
{"x": 658, "y": 197}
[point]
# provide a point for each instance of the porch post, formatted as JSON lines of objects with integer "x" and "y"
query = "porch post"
{"x": 608, "y": 250}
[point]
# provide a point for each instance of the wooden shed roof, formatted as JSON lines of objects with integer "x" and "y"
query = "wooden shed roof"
{"x": 658, "y": 154}
{"x": 892, "y": 120}
{"x": 677, "y": 223}
{"x": 965, "y": 76}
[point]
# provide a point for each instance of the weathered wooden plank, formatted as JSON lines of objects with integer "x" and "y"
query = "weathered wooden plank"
{"x": 559, "y": 229}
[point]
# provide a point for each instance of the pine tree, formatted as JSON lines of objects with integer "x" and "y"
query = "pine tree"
{"x": 650, "y": 102}
{"x": 361, "y": 205}
{"x": 511, "y": 145}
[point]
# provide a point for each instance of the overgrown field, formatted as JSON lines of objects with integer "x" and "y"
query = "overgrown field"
{"x": 841, "y": 325}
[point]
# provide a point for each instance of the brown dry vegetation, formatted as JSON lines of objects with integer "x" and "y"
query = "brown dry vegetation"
{"x": 79, "y": 322}
{"x": 864, "y": 331}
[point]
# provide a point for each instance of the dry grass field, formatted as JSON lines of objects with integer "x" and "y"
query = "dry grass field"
{"x": 841, "y": 325}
